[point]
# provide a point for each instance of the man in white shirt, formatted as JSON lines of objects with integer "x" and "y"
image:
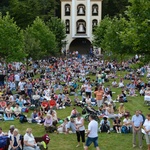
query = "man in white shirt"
{"x": 92, "y": 134}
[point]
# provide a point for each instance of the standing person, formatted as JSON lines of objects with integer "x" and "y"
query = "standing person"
{"x": 92, "y": 134}
{"x": 80, "y": 129}
{"x": 99, "y": 96}
{"x": 137, "y": 121}
{"x": 146, "y": 126}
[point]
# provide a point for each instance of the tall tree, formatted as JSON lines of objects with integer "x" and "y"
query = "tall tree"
{"x": 58, "y": 29}
{"x": 25, "y": 11}
{"x": 100, "y": 31}
{"x": 12, "y": 40}
{"x": 137, "y": 33}
{"x": 39, "y": 40}
{"x": 113, "y": 8}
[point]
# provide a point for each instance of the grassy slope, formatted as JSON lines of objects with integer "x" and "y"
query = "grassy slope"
{"x": 68, "y": 142}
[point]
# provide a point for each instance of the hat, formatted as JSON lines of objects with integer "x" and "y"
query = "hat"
{"x": 12, "y": 127}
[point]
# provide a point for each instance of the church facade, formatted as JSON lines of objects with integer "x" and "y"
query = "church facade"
{"x": 80, "y": 18}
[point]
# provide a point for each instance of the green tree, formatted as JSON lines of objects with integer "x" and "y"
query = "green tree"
{"x": 113, "y": 8}
{"x": 58, "y": 29}
{"x": 112, "y": 42}
{"x": 25, "y": 11}
{"x": 137, "y": 32}
{"x": 39, "y": 40}
{"x": 12, "y": 40}
{"x": 100, "y": 31}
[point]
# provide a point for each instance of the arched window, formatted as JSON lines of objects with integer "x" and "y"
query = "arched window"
{"x": 67, "y": 22}
{"x": 94, "y": 10}
{"x": 81, "y": 26}
{"x": 94, "y": 24}
{"x": 67, "y": 10}
{"x": 81, "y": 10}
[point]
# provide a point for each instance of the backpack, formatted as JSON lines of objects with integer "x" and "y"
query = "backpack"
{"x": 23, "y": 119}
{"x": 3, "y": 141}
{"x": 83, "y": 112}
{"x": 124, "y": 129}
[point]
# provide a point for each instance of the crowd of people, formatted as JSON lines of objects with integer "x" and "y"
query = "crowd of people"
{"x": 47, "y": 85}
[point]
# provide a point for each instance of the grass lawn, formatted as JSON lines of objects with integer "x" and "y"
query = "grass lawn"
{"x": 111, "y": 141}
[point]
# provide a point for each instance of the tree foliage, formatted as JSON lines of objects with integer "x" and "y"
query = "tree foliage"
{"x": 113, "y": 8}
{"x": 41, "y": 40}
{"x": 25, "y": 11}
{"x": 12, "y": 40}
{"x": 137, "y": 33}
{"x": 58, "y": 29}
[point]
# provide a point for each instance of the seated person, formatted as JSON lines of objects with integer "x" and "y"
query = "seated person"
{"x": 29, "y": 141}
{"x": 127, "y": 123}
{"x": 67, "y": 101}
{"x": 3, "y": 105}
{"x": 66, "y": 90}
{"x": 120, "y": 84}
{"x": 121, "y": 110}
{"x": 117, "y": 125}
{"x": 8, "y": 111}
{"x": 11, "y": 130}
{"x": 142, "y": 91}
{"x": 110, "y": 111}
{"x": 59, "y": 104}
{"x": 114, "y": 83}
{"x": 17, "y": 110}
{"x": 63, "y": 127}
{"x": 74, "y": 112}
{"x": 71, "y": 125}
{"x": 88, "y": 100}
{"x": 132, "y": 92}
{"x": 122, "y": 97}
{"x": 15, "y": 141}
{"x": 54, "y": 117}
{"x": 1, "y": 132}
{"x": 48, "y": 124}
{"x": 44, "y": 105}
{"x": 77, "y": 101}
{"x": 72, "y": 90}
{"x": 52, "y": 103}
{"x": 34, "y": 117}
{"x": 105, "y": 125}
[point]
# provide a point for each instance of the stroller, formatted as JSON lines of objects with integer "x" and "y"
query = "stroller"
{"x": 90, "y": 111}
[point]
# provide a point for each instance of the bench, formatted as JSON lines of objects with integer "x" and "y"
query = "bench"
{"x": 37, "y": 139}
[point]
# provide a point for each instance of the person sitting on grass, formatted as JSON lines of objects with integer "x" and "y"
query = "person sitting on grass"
{"x": 17, "y": 110}
{"x": 44, "y": 105}
{"x": 121, "y": 110}
{"x": 15, "y": 141}
{"x": 29, "y": 141}
{"x": 114, "y": 84}
{"x": 8, "y": 111}
{"x": 74, "y": 112}
{"x": 127, "y": 123}
{"x": 63, "y": 127}
{"x": 105, "y": 125}
{"x": 67, "y": 101}
{"x": 1, "y": 132}
{"x": 132, "y": 92}
{"x": 48, "y": 124}
{"x": 34, "y": 116}
{"x": 71, "y": 125}
{"x": 117, "y": 125}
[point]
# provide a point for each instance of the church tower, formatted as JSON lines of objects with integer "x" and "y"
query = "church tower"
{"x": 80, "y": 18}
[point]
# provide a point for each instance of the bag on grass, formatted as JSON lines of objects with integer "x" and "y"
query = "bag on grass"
{"x": 3, "y": 141}
{"x": 23, "y": 119}
{"x": 124, "y": 129}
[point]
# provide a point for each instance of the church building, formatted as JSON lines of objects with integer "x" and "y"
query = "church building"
{"x": 80, "y": 18}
